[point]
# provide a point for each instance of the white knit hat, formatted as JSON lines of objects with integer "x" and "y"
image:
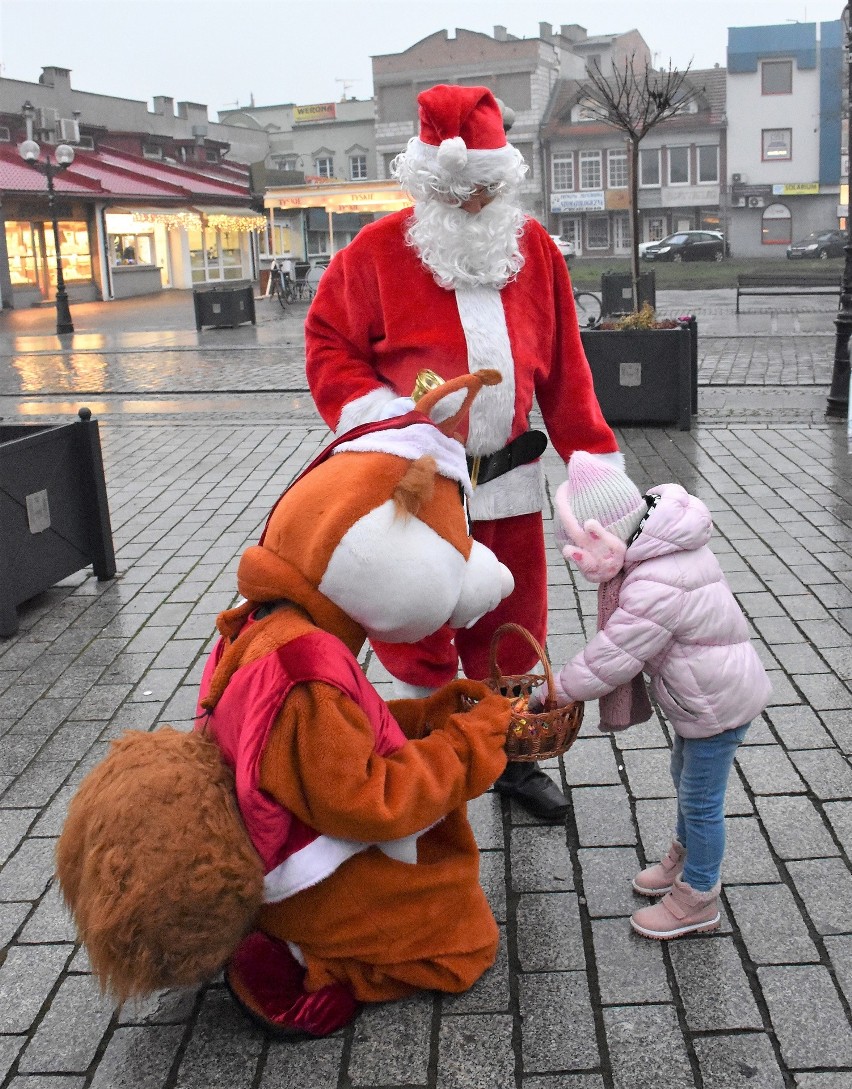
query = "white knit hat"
{"x": 597, "y": 489}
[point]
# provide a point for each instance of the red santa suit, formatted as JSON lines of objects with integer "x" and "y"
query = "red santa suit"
{"x": 379, "y": 318}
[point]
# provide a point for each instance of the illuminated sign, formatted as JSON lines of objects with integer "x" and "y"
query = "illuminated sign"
{"x": 322, "y": 111}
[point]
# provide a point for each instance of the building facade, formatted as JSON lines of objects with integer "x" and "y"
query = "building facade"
{"x": 785, "y": 119}
{"x": 681, "y": 164}
{"x": 320, "y": 144}
{"x": 150, "y": 201}
{"x": 521, "y": 72}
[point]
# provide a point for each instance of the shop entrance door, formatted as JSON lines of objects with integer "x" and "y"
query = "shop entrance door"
{"x": 621, "y": 234}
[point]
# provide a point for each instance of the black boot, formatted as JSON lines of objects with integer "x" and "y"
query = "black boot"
{"x": 531, "y": 788}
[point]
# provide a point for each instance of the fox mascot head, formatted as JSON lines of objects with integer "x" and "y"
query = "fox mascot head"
{"x": 372, "y": 540}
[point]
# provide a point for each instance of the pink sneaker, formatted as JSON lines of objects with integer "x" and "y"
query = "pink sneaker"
{"x": 684, "y": 910}
{"x": 657, "y": 879}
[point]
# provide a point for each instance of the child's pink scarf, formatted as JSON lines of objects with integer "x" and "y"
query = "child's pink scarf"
{"x": 628, "y": 704}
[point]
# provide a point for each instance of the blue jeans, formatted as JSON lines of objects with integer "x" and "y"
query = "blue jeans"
{"x": 700, "y": 767}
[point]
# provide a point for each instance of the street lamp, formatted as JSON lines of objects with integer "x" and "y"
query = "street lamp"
{"x": 838, "y": 396}
{"x": 63, "y": 157}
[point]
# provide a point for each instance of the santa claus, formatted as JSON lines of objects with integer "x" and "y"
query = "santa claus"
{"x": 465, "y": 280}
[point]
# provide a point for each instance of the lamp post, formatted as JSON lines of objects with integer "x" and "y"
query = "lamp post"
{"x": 838, "y": 396}
{"x": 63, "y": 157}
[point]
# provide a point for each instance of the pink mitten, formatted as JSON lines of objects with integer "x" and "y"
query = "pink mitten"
{"x": 598, "y": 553}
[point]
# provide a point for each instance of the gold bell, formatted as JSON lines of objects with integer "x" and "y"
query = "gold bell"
{"x": 425, "y": 381}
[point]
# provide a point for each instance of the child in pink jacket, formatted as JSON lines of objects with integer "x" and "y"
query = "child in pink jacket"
{"x": 665, "y": 609}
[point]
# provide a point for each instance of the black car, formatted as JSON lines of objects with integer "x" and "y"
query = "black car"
{"x": 688, "y": 246}
{"x": 821, "y": 244}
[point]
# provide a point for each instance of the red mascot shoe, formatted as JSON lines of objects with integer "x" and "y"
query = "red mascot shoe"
{"x": 265, "y": 980}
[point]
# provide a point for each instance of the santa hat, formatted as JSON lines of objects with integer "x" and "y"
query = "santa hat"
{"x": 462, "y": 138}
{"x": 598, "y": 489}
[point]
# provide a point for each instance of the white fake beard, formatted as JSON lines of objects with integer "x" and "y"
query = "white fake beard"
{"x": 464, "y": 250}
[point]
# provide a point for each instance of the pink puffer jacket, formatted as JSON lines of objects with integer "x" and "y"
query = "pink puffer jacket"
{"x": 677, "y": 621}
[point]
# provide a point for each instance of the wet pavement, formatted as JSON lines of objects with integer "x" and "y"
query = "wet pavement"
{"x": 200, "y": 433}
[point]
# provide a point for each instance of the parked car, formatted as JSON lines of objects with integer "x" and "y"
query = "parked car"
{"x": 564, "y": 245}
{"x": 821, "y": 244}
{"x": 688, "y": 246}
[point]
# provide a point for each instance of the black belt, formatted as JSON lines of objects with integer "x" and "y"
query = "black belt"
{"x": 519, "y": 451}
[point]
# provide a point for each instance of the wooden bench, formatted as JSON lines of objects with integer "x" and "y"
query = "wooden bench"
{"x": 765, "y": 283}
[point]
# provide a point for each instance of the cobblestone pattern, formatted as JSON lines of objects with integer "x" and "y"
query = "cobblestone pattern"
{"x": 575, "y": 1001}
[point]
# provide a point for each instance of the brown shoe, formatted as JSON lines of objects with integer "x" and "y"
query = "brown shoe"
{"x": 684, "y": 910}
{"x": 657, "y": 880}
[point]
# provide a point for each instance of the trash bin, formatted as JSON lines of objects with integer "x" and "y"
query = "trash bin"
{"x": 617, "y": 292}
{"x": 228, "y": 303}
{"x": 54, "y": 517}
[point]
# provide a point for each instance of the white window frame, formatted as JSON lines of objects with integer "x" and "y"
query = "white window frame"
{"x": 324, "y": 166}
{"x": 588, "y": 158}
{"x": 563, "y": 160}
{"x": 657, "y": 183}
{"x": 765, "y": 141}
{"x": 361, "y": 161}
{"x": 679, "y": 147}
{"x": 616, "y": 157}
{"x": 712, "y": 148}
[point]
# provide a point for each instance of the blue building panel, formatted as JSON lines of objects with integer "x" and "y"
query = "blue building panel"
{"x": 748, "y": 45}
{"x": 830, "y": 101}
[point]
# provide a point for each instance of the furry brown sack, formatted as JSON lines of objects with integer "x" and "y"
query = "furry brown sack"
{"x": 155, "y": 864}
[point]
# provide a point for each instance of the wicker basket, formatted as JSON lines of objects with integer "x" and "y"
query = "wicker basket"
{"x": 533, "y": 736}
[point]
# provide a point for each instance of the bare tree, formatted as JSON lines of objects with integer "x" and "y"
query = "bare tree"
{"x": 634, "y": 101}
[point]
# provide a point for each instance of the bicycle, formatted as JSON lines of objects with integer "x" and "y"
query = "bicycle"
{"x": 281, "y": 286}
{"x": 588, "y": 308}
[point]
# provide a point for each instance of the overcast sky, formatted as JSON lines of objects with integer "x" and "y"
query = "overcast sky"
{"x": 221, "y": 52}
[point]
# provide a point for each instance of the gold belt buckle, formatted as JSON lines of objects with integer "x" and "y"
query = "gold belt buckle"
{"x": 474, "y": 470}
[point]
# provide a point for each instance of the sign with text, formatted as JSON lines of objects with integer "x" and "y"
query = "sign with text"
{"x": 796, "y": 189}
{"x": 677, "y": 196}
{"x": 592, "y": 201}
{"x": 321, "y": 111}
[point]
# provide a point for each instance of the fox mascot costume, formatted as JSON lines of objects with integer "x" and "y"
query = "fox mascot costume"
{"x": 308, "y": 836}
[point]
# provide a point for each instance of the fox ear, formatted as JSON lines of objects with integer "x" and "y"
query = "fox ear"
{"x": 470, "y": 383}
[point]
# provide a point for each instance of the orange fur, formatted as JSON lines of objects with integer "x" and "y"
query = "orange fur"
{"x": 417, "y": 486}
{"x": 168, "y": 911}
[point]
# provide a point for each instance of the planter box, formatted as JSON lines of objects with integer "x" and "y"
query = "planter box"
{"x": 643, "y": 376}
{"x": 54, "y": 517}
{"x": 617, "y": 292}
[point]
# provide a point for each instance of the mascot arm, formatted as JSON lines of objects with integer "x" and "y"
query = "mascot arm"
{"x": 418, "y": 717}
{"x": 332, "y": 779}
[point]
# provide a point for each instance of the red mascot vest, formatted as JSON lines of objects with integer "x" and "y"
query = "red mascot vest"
{"x": 294, "y": 855}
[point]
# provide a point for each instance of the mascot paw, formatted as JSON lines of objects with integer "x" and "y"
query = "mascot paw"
{"x": 265, "y": 980}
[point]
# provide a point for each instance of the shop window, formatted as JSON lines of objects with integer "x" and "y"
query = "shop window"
{"x": 563, "y": 172}
{"x": 358, "y": 167}
{"x": 678, "y": 166}
{"x": 776, "y": 77}
{"x": 324, "y": 168}
{"x": 597, "y": 232}
{"x": 616, "y": 164}
{"x": 21, "y": 248}
{"x": 649, "y": 167}
{"x": 776, "y": 225}
{"x": 708, "y": 163}
{"x": 590, "y": 170}
{"x": 776, "y": 145}
{"x": 74, "y": 243}
{"x": 214, "y": 254}
{"x": 132, "y": 249}
{"x": 656, "y": 228}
